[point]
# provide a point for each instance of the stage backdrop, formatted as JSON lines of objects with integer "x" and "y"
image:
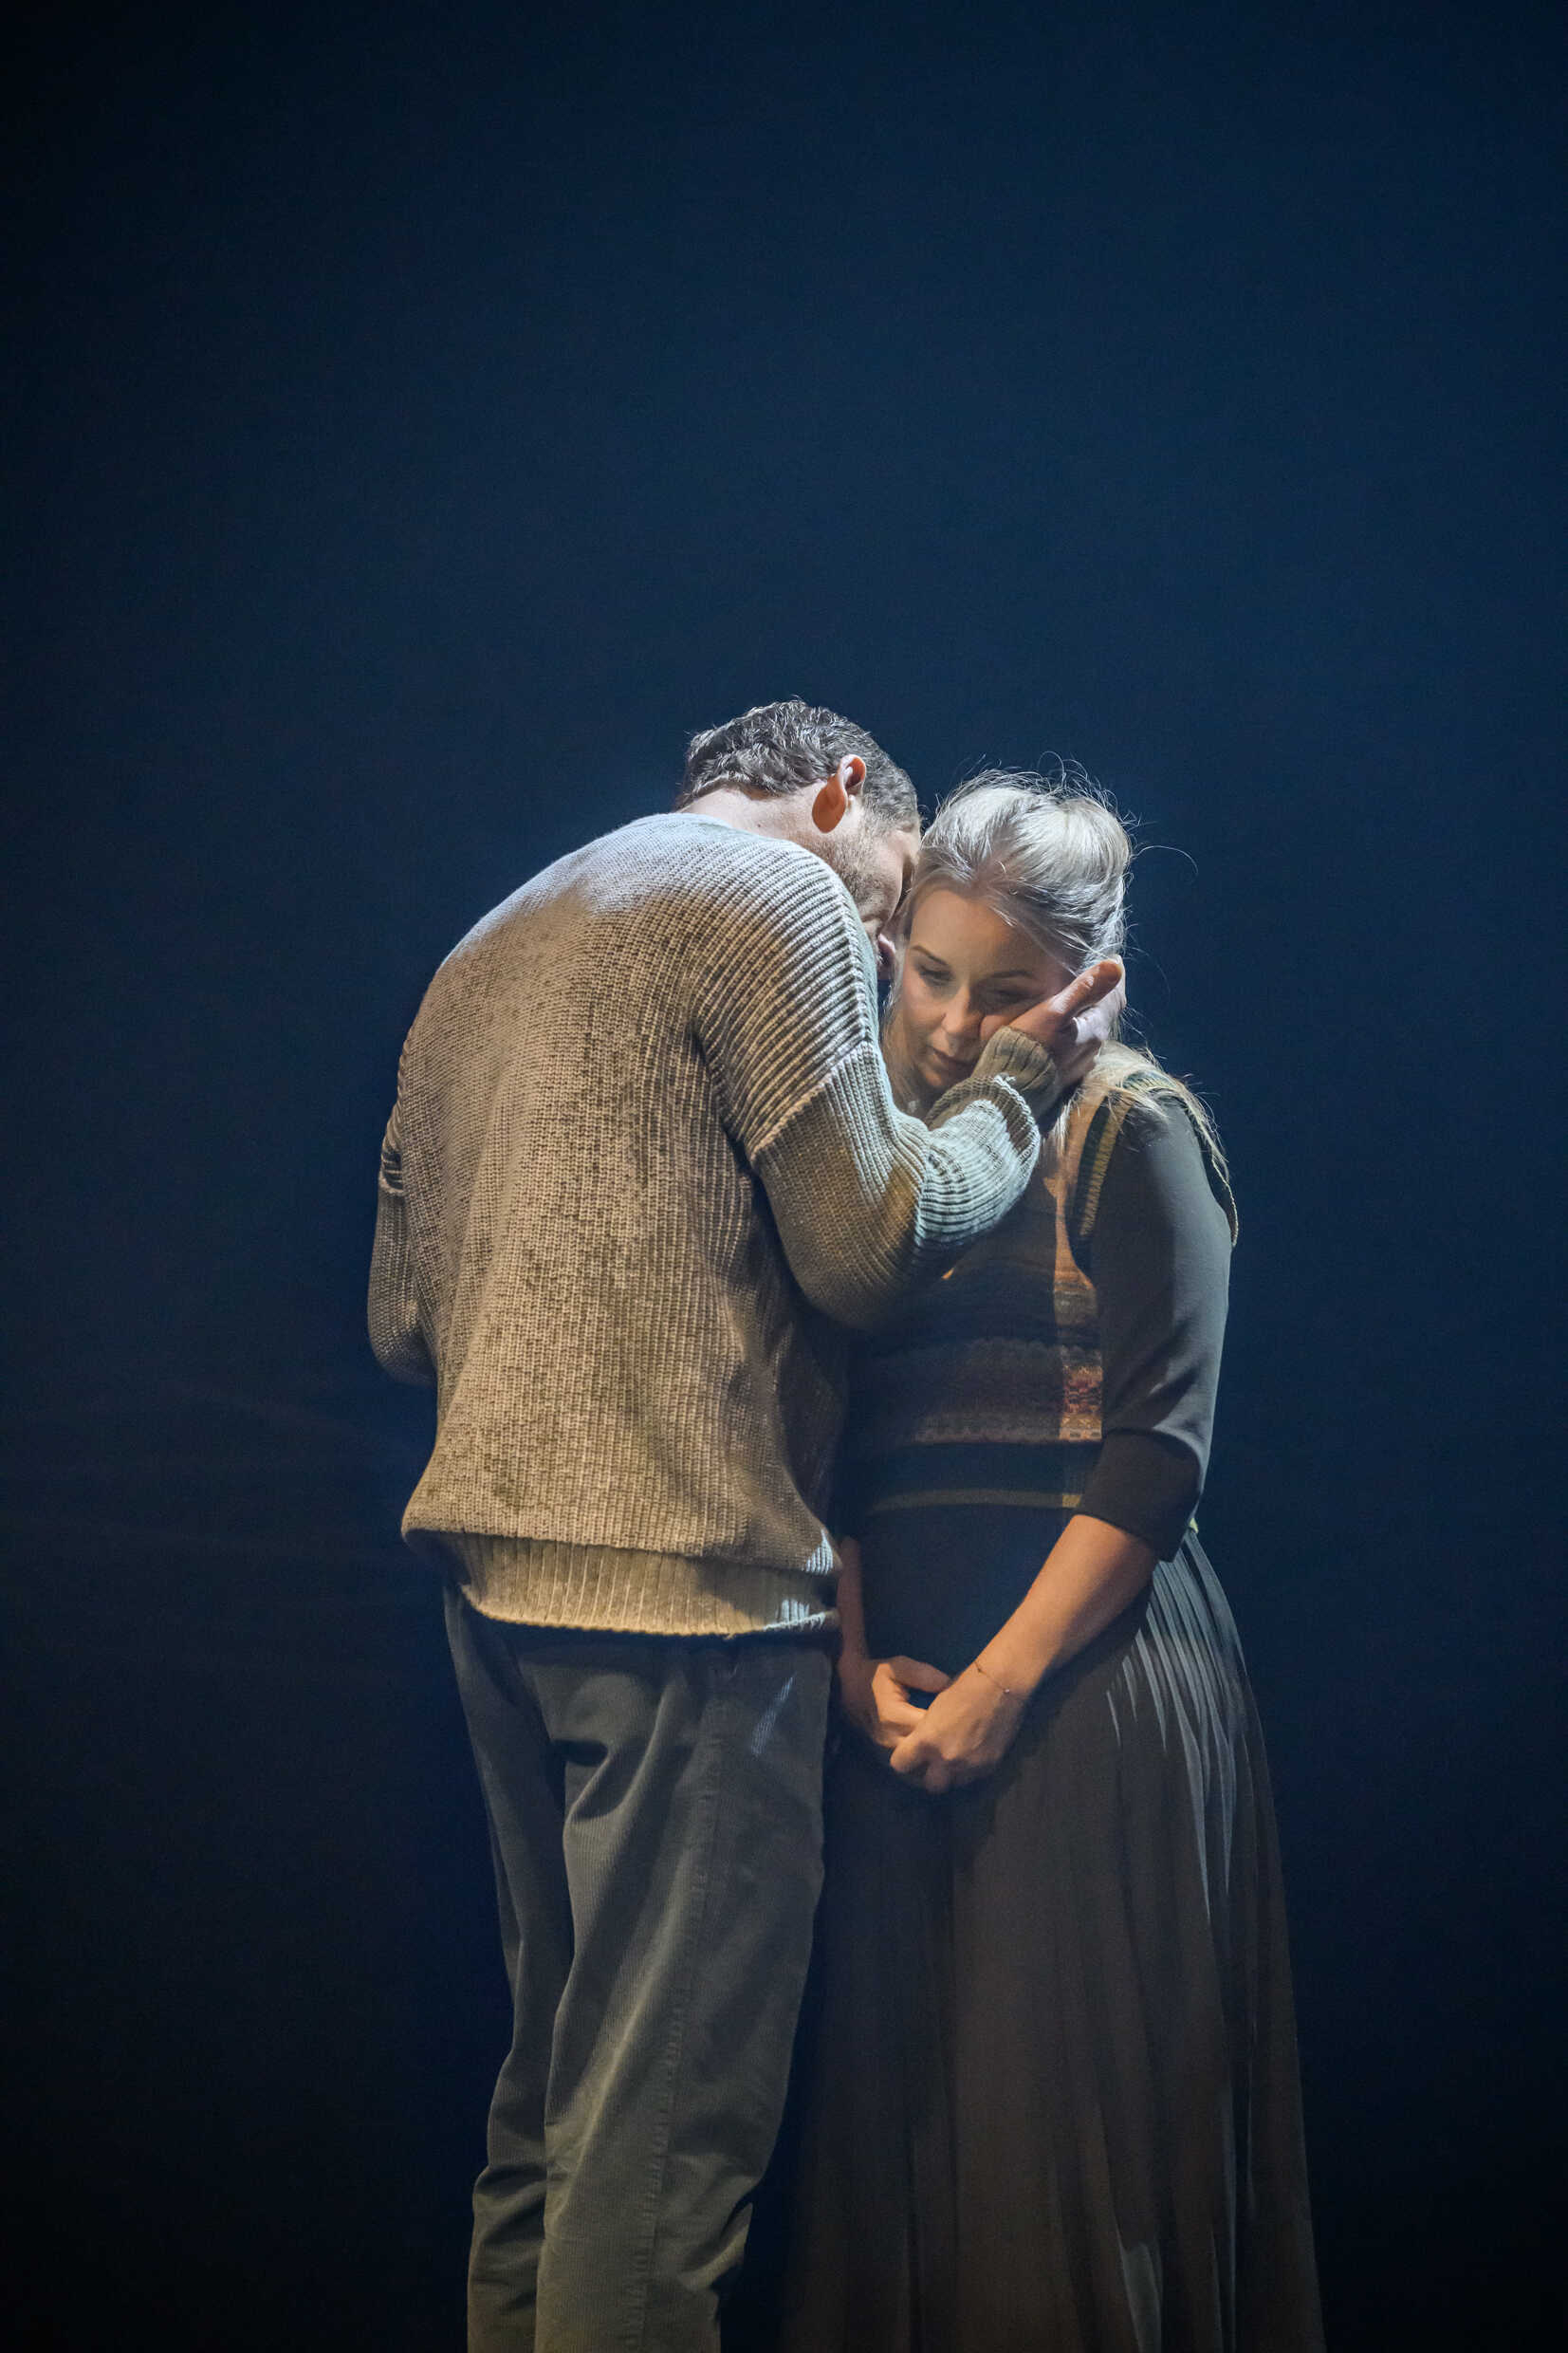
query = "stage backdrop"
{"x": 418, "y": 420}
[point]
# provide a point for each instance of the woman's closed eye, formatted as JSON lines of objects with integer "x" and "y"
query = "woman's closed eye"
{"x": 934, "y": 976}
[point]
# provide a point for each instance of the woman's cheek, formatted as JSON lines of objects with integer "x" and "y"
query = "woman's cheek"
{"x": 919, "y": 1015}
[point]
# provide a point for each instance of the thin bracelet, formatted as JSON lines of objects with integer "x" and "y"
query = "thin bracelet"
{"x": 1006, "y": 1689}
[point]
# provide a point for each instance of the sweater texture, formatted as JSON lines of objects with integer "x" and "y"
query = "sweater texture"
{"x": 643, "y": 1169}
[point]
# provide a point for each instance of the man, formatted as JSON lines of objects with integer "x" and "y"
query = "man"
{"x": 643, "y": 1169}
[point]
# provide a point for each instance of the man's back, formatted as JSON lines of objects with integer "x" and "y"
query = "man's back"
{"x": 625, "y": 1364}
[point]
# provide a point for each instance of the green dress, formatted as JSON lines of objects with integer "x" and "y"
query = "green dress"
{"x": 1047, "y": 2092}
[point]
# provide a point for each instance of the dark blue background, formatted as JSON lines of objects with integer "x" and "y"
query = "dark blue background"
{"x": 418, "y": 418}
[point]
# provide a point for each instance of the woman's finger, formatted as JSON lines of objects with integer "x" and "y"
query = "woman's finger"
{"x": 917, "y": 1676}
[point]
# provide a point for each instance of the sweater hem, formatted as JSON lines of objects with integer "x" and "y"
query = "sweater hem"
{"x": 610, "y": 1589}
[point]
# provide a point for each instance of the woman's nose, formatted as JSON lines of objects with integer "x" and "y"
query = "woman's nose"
{"x": 961, "y": 1019}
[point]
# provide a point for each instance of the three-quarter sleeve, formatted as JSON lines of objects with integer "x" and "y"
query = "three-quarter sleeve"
{"x": 1160, "y": 1263}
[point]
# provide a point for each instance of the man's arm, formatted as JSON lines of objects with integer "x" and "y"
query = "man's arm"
{"x": 867, "y": 1200}
{"x": 395, "y": 1332}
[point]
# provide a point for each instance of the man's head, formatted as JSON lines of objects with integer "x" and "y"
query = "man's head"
{"x": 805, "y": 774}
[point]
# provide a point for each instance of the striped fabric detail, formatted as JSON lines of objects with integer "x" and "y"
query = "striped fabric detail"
{"x": 921, "y": 1498}
{"x": 987, "y": 1387}
{"x": 1082, "y": 1201}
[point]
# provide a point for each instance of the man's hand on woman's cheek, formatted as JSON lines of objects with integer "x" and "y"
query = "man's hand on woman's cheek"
{"x": 1075, "y": 1023}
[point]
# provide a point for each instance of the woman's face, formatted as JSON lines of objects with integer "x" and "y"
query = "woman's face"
{"x": 967, "y": 972}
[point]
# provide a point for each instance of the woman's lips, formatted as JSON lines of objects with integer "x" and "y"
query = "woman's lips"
{"x": 945, "y": 1067}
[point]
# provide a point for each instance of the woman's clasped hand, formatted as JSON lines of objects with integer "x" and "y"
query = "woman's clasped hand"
{"x": 965, "y": 1734}
{"x": 962, "y": 1735}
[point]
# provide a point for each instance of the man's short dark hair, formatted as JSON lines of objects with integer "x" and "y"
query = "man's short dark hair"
{"x": 776, "y": 747}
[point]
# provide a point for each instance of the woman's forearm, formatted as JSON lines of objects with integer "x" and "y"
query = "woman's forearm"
{"x": 1091, "y": 1575}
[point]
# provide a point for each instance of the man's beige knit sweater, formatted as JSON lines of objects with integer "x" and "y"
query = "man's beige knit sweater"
{"x": 643, "y": 1168}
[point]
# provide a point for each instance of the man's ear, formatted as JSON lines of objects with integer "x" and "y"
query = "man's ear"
{"x": 834, "y": 794}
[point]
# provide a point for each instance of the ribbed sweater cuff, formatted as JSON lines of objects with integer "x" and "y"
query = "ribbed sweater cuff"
{"x": 604, "y": 1588}
{"x": 1022, "y": 1062}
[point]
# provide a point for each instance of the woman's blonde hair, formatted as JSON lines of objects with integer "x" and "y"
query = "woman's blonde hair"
{"x": 1050, "y": 855}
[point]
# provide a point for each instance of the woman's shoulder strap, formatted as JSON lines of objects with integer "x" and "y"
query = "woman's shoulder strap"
{"x": 1120, "y": 1092}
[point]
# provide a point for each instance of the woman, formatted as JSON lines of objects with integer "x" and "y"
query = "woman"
{"x": 1048, "y": 2093}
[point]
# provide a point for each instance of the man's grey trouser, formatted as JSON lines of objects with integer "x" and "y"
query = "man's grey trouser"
{"x": 655, "y": 1807}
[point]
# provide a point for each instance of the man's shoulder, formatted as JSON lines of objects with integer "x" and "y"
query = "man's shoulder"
{"x": 664, "y": 895}
{"x": 691, "y": 886}
{"x": 672, "y": 857}
{"x": 688, "y": 852}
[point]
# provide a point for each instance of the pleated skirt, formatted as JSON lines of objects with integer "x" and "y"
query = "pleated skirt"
{"x": 1047, "y": 2096}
